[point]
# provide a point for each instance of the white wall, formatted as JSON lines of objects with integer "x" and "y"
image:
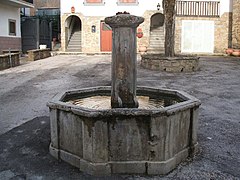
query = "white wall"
{"x": 225, "y": 6}
{"x": 9, "y": 12}
{"x": 110, "y": 7}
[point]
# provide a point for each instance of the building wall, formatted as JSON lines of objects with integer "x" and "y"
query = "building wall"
{"x": 45, "y": 4}
{"x": 236, "y": 24}
{"x": 92, "y": 15}
{"x": 9, "y": 41}
{"x": 6, "y": 13}
{"x": 221, "y": 31}
{"x": 109, "y": 8}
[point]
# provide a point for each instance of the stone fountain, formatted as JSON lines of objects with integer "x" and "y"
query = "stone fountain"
{"x": 123, "y": 129}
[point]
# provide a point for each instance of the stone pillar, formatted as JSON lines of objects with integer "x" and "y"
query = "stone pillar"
{"x": 124, "y": 60}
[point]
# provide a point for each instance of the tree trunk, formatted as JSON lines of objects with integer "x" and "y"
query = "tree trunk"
{"x": 169, "y": 12}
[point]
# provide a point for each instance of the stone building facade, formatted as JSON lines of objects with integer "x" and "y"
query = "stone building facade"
{"x": 214, "y": 37}
{"x": 236, "y": 24}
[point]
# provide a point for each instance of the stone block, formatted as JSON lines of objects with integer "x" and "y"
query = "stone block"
{"x": 131, "y": 167}
{"x": 128, "y": 138}
{"x": 9, "y": 60}
{"x": 97, "y": 169}
{"x": 37, "y": 54}
{"x": 70, "y": 133}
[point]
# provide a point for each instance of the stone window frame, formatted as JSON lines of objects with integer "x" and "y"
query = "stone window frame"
{"x": 119, "y": 3}
{"x": 12, "y": 32}
{"x": 86, "y": 3}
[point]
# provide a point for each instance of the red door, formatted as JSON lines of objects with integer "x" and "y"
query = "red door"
{"x": 106, "y": 37}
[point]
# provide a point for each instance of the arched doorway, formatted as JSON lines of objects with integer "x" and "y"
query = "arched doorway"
{"x": 73, "y": 34}
{"x": 157, "y": 38}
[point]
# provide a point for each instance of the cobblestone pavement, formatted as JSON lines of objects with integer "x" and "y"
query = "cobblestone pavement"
{"x": 24, "y": 118}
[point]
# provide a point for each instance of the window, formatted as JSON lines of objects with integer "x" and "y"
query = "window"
{"x": 127, "y": 2}
{"x": 12, "y": 27}
{"x": 94, "y": 2}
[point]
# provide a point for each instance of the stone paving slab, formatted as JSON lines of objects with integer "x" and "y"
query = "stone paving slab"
{"x": 24, "y": 118}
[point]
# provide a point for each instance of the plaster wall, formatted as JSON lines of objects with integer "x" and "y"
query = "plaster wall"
{"x": 6, "y": 13}
{"x": 108, "y": 8}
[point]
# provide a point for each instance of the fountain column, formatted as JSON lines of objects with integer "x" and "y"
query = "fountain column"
{"x": 124, "y": 59}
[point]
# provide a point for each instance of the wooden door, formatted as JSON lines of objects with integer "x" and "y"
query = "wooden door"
{"x": 106, "y": 37}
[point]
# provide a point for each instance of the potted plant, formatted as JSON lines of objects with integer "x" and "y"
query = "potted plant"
{"x": 229, "y": 51}
{"x": 142, "y": 49}
{"x": 236, "y": 52}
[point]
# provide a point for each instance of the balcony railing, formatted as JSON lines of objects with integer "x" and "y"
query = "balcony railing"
{"x": 198, "y": 8}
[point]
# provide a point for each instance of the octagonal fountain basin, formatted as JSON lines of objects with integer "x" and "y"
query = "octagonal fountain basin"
{"x": 99, "y": 140}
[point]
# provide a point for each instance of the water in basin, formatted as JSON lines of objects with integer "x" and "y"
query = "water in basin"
{"x": 104, "y": 102}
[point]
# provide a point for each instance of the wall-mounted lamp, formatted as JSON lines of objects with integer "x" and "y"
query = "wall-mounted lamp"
{"x": 72, "y": 9}
{"x": 93, "y": 28}
{"x": 158, "y": 6}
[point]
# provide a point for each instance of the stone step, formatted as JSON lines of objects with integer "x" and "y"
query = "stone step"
{"x": 156, "y": 43}
{"x": 158, "y": 31}
{"x": 75, "y": 39}
{"x": 78, "y": 37}
{"x": 74, "y": 46}
{"x": 74, "y": 42}
{"x": 156, "y": 39}
{"x": 155, "y": 48}
{"x": 155, "y": 51}
{"x": 74, "y": 50}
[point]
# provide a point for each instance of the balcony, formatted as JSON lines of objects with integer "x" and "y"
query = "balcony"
{"x": 198, "y": 8}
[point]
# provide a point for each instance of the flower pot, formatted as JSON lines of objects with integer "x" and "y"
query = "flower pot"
{"x": 229, "y": 51}
{"x": 139, "y": 34}
{"x": 236, "y": 53}
{"x": 42, "y": 46}
{"x": 142, "y": 49}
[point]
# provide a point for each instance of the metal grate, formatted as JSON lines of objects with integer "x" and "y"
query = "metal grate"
{"x": 198, "y": 8}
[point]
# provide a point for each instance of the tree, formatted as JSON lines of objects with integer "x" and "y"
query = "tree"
{"x": 169, "y": 12}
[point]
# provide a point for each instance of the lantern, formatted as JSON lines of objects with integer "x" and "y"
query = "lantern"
{"x": 72, "y": 9}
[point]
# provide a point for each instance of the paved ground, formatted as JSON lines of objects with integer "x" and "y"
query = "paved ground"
{"x": 24, "y": 119}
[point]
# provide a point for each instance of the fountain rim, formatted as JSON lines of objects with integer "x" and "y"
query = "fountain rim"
{"x": 58, "y": 103}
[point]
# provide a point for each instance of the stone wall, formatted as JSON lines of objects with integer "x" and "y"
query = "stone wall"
{"x": 38, "y": 54}
{"x": 236, "y": 24}
{"x": 221, "y": 31}
{"x": 91, "y": 42}
{"x": 7, "y": 61}
{"x": 146, "y": 27}
{"x": 10, "y": 42}
{"x": 170, "y": 64}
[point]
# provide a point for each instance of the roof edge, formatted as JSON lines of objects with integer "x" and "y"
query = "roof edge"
{"x": 21, "y": 3}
